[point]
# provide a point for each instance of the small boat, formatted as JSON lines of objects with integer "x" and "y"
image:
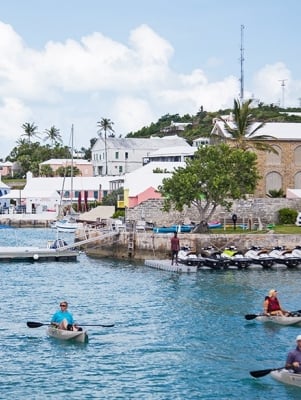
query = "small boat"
{"x": 67, "y": 224}
{"x": 213, "y": 259}
{"x": 188, "y": 257}
{"x": 172, "y": 229}
{"x": 260, "y": 256}
{"x": 284, "y": 256}
{"x": 237, "y": 259}
{"x": 214, "y": 224}
{"x": 286, "y": 376}
{"x": 61, "y": 334}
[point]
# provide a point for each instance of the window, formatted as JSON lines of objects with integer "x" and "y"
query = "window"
{"x": 116, "y": 155}
{"x": 126, "y": 155}
{"x": 120, "y": 169}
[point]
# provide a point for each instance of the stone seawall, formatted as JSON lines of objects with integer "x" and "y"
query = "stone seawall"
{"x": 157, "y": 246}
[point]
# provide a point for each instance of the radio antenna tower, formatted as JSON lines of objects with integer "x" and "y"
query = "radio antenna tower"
{"x": 283, "y": 87}
{"x": 242, "y": 59}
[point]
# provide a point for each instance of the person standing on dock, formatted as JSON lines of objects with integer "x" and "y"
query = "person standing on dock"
{"x": 175, "y": 247}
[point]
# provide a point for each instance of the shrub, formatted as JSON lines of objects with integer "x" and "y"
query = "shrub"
{"x": 287, "y": 216}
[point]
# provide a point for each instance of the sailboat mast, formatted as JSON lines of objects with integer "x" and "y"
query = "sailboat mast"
{"x": 72, "y": 146}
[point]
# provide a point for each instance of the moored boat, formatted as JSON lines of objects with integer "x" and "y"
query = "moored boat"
{"x": 287, "y": 377}
{"x": 61, "y": 334}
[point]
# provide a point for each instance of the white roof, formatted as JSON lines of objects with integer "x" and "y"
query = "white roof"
{"x": 32, "y": 194}
{"x": 279, "y": 130}
{"x": 148, "y": 144}
{"x": 64, "y": 161}
{"x": 143, "y": 178}
{"x": 174, "y": 151}
{"x": 80, "y": 183}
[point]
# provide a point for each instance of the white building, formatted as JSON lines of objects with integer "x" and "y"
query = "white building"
{"x": 117, "y": 156}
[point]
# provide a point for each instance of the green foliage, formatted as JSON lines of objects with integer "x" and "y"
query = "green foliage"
{"x": 119, "y": 214}
{"x": 274, "y": 193}
{"x": 287, "y": 216}
{"x": 215, "y": 176}
{"x": 68, "y": 171}
{"x": 111, "y": 198}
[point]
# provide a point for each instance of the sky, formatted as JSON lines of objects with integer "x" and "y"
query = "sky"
{"x": 74, "y": 62}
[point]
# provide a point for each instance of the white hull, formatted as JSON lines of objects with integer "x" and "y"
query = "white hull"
{"x": 280, "y": 320}
{"x": 77, "y": 336}
{"x": 285, "y": 376}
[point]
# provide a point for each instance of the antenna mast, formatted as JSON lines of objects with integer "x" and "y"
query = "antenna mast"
{"x": 242, "y": 27}
{"x": 283, "y": 87}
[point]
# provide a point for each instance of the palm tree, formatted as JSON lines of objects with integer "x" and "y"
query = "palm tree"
{"x": 105, "y": 125}
{"x": 243, "y": 132}
{"x": 53, "y": 135}
{"x": 30, "y": 130}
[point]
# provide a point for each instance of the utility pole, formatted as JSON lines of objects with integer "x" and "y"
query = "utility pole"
{"x": 283, "y": 87}
{"x": 242, "y": 59}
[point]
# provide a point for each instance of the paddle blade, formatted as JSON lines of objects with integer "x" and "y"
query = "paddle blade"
{"x": 263, "y": 372}
{"x": 32, "y": 324}
{"x": 251, "y": 316}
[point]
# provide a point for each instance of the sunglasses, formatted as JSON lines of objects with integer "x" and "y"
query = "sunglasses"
{"x": 63, "y": 305}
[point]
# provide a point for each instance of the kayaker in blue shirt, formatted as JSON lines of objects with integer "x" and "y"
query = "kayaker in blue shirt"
{"x": 293, "y": 360}
{"x": 63, "y": 319}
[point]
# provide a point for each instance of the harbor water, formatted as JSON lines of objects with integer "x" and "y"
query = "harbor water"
{"x": 175, "y": 336}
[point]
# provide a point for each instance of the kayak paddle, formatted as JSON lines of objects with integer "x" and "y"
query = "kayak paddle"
{"x": 32, "y": 324}
{"x": 263, "y": 372}
{"x": 253, "y": 316}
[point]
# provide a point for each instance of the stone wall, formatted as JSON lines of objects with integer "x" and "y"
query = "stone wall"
{"x": 264, "y": 208}
{"x": 151, "y": 245}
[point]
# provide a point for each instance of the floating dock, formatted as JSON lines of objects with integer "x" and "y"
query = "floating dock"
{"x": 32, "y": 254}
{"x": 166, "y": 266}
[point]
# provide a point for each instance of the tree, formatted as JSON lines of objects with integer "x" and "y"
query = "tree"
{"x": 105, "y": 125}
{"x": 53, "y": 135}
{"x": 30, "y": 131}
{"x": 68, "y": 171}
{"x": 215, "y": 176}
{"x": 244, "y": 132}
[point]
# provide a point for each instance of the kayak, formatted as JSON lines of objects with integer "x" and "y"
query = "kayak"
{"x": 280, "y": 320}
{"x": 286, "y": 376}
{"x": 77, "y": 336}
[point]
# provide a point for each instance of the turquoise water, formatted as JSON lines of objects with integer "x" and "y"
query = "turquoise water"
{"x": 175, "y": 336}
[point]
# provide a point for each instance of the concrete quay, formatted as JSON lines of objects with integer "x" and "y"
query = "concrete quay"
{"x": 28, "y": 220}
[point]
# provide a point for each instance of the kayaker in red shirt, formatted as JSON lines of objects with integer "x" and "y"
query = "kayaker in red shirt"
{"x": 272, "y": 306}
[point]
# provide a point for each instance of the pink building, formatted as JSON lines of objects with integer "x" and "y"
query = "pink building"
{"x": 85, "y": 166}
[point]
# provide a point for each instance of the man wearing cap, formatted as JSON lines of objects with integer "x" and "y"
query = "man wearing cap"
{"x": 293, "y": 360}
{"x": 271, "y": 305}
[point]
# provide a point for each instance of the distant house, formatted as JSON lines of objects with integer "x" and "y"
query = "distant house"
{"x": 6, "y": 169}
{"x": 41, "y": 193}
{"x": 118, "y": 156}
{"x": 171, "y": 154}
{"x": 142, "y": 184}
{"x": 85, "y": 167}
{"x": 278, "y": 171}
{"x": 175, "y": 127}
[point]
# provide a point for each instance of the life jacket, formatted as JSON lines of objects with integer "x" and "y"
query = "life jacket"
{"x": 273, "y": 304}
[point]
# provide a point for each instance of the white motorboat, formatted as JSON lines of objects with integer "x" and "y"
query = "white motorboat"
{"x": 288, "y": 377}
{"x": 61, "y": 334}
{"x": 67, "y": 224}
